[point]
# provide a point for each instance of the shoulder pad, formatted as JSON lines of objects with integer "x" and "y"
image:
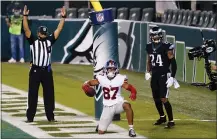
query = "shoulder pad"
{"x": 123, "y": 78}
{"x": 98, "y": 76}
{"x": 169, "y": 45}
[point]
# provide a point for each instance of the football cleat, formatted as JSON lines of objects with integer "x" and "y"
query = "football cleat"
{"x": 52, "y": 120}
{"x": 161, "y": 120}
{"x": 29, "y": 121}
{"x": 132, "y": 133}
{"x": 170, "y": 125}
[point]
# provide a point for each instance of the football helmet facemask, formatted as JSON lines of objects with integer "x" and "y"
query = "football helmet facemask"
{"x": 111, "y": 69}
{"x": 156, "y": 35}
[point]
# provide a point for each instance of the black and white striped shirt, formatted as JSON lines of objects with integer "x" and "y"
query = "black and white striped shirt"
{"x": 41, "y": 49}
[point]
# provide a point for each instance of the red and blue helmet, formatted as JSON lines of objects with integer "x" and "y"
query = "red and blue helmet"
{"x": 111, "y": 69}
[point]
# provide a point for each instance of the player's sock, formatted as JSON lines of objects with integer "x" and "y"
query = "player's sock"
{"x": 130, "y": 127}
{"x": 159, "y": 107}
{"x": 169, "y": 110}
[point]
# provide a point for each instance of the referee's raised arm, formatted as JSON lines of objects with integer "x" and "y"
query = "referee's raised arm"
{"x": 61, "y": 23}
{"x": 25, "y": 22}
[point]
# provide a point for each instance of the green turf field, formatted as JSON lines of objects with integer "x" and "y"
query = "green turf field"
{"x": 9, "y": 131}
{"x": 188, "y": 102}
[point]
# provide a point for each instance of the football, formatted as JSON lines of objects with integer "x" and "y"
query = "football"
{"x": 89, "y": 91}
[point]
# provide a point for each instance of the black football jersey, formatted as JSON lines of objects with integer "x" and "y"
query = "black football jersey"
{"x": 158, "y": 56}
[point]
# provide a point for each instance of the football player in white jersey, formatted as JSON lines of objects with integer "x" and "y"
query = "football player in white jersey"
{"x": 113, "y": 103}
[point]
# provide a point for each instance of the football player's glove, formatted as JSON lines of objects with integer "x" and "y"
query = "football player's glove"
{"x": 170, "y": 82}
{"x": 147, "y": 76}
{"x": 132, "y": 96}
{"x": 133, "y": 92}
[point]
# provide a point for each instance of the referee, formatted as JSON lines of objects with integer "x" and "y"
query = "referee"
{"x": 41, "y": 72}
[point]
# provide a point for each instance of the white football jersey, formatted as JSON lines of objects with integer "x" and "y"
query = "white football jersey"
{"x": 111, "y": 88}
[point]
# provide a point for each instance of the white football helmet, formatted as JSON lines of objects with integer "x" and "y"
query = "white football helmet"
{"x": 111, "y": 69}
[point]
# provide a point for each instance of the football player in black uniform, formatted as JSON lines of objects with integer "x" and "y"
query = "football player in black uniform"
{"x": 159, "y": 58}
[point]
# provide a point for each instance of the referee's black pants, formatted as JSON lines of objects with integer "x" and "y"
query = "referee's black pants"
{"x": 44, "y": 76}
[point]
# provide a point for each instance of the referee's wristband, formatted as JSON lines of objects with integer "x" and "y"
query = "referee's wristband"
{"x": 64, "y": 16}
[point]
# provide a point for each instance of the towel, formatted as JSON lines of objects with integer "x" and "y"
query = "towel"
{"x": 176, "y": 84}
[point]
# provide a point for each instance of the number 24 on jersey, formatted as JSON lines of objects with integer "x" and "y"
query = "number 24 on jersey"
{"x": 156, "y": 60}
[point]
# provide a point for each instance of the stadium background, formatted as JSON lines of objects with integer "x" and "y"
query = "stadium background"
{"x": 187, "y": 71}
{"x": 132, "y": 36}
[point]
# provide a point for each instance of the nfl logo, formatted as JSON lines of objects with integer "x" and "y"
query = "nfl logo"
{"x": 100, "y": 17}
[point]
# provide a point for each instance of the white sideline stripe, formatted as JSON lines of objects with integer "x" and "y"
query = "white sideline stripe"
{"x": 198, "y": 120}
{"x": 58, "y": 118}
{"x": 68, "y": 125}
{"x": 11, "y": 104}
{"x": 11, "y": 100}
{"x": 19, "y": 103}
{"x": 12, "y": 97}
{"x": 67, "y": 130}
{"x": 113, "y": 135}
{"x": 39, "y": 133}
{"x": 20, "y": 112}
{"x": 66, "y": 118}
{"x": 29, "y": 129}
{"x": 21, "y": 108}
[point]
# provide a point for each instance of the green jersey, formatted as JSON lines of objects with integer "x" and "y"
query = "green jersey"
{"x": 16, "y": 25}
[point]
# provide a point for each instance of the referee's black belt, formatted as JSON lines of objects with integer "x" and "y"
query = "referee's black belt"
{"x": 40, "y": 67}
